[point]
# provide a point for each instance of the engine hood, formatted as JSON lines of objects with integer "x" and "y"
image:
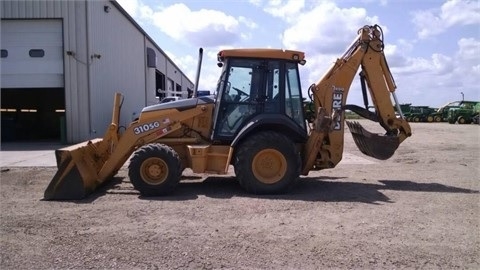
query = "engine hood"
{"x": 181, "y": 105}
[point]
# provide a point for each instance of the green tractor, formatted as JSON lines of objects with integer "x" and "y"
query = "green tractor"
{"x": 441, "y": 115}
{"x": 467, "y": 112}
{"x": 419, "y": 114}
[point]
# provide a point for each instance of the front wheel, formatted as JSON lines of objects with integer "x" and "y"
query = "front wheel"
{"x": 438, "y": 119}
{"x": 155, "y": 169}
{"x": 267, "y": 163}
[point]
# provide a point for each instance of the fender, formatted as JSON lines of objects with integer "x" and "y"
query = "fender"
{"x": 277, "y": 122}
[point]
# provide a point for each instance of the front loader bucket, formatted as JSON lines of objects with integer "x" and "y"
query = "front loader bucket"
{"x": 375, "y": 145}
{"x": 76, "y": 177}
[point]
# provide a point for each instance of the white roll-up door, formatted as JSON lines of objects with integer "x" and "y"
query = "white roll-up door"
{"x": 32, "y": 54}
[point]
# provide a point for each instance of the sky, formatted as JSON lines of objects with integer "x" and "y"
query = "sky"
{"x": 432, "y": 46}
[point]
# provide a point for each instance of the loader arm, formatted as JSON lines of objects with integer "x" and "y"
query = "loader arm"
{"x": 324, "y": 147}
{"x": 85, "y": 166}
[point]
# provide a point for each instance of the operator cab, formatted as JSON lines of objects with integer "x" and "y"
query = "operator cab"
{"x": 259, "y": 89}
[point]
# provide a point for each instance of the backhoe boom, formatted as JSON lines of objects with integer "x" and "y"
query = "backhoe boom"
{"x": 324, "y": 147}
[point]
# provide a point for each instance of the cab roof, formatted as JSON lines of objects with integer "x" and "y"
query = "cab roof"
{"x": 297, "y": 56}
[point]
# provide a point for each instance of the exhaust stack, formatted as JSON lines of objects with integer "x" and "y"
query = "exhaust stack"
{"x": 197, "y": 76}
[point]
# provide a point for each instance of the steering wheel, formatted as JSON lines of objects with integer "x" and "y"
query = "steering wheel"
{"x": 240, "y": 92}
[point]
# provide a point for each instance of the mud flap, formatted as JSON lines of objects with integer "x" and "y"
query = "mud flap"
{"x": 374, "y": 145}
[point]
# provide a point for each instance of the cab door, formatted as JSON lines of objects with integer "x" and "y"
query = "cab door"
{"x": 241, "y": 98}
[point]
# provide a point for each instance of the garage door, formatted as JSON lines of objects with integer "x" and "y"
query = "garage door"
{"x": 32, "y": 54}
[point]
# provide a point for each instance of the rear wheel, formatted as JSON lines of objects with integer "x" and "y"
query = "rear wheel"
{"x": 416, "y": 119}
{"x": 155, "y": 169}
{"x": 430, "y": 118}
{"x": 437, "y": 119}
{"x": 461, "y": 120}
{"x": 267, "y": 163}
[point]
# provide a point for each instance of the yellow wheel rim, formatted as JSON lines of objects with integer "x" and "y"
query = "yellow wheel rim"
{"x": 269, "y": 166}
{"x": 430, "y": 119}
{"x": 154, "y": 171}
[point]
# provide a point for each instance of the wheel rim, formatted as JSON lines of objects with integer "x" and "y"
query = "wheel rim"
{"x": 461, "y": 121}
{"x": 430, "y": 119}
{"x": 269, "y": 166}
{"x": 437, "y": 119}
{"x": 154, "y": 171}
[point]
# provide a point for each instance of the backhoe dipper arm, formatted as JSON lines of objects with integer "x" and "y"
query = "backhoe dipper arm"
{"x": 324, "y": 147}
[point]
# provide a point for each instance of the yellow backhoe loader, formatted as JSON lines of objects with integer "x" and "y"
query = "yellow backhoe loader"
{"x": 255, "y": 122}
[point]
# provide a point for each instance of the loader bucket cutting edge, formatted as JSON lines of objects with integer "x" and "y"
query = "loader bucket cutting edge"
{"x": 374, "y": 145}
{"x": 76, "y": 176}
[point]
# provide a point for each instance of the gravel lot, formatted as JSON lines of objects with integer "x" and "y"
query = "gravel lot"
{"x": 419, "y": 209}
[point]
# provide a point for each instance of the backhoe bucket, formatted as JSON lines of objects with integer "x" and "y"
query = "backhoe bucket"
{"x": 76, "y": 177}
{"x": 374, "y": 145}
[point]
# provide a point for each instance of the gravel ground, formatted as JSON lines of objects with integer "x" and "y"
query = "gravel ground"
{"x": 419, "y": 209}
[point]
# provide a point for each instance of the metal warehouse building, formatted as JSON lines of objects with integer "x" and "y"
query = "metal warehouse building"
{"x": 62, "y": 62}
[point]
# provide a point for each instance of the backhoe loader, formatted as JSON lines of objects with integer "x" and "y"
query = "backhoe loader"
{"x": 256, "y": 123}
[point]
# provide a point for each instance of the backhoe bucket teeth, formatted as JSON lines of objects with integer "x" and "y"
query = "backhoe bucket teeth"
{"x": 77, "y": 172}
{"x": 374, "y": 145}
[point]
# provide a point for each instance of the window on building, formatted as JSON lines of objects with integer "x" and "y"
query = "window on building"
{"x": 151, "y": 58}
{"x": 178, "y": 90}
{"x": 159, "y": 84}
{"x": 4, "y": 53}
{"x": 170, "y": 85}
{"x": 36, "y": 53}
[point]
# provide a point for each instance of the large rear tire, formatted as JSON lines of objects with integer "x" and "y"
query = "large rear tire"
{"x": 155, "y": 169}
{"x": 267, "y": 163}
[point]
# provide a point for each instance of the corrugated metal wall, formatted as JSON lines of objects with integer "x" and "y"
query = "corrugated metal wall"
{"x": 34, "y": 9}
{"x": 121, "y": 66}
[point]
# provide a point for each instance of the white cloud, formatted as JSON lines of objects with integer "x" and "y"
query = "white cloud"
{"x": 445, "y": 76}
{"x": 324, "y": 33}
{"x": 452, "y": 13}
{"x": 130, "y": 6}
{"x": 248, "y": 22}
{"x": 468, "y": 62}
{"x": 202, "y": 28}
{"x": 325, "y": 29}
{"x": 469, "y": 49}
{"x": 255, "y": 2}
{"x": 287, "y": 10}
{"x": 380, "y": 2}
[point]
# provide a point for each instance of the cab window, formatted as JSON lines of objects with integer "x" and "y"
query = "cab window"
{"x": 293, "y": 97}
